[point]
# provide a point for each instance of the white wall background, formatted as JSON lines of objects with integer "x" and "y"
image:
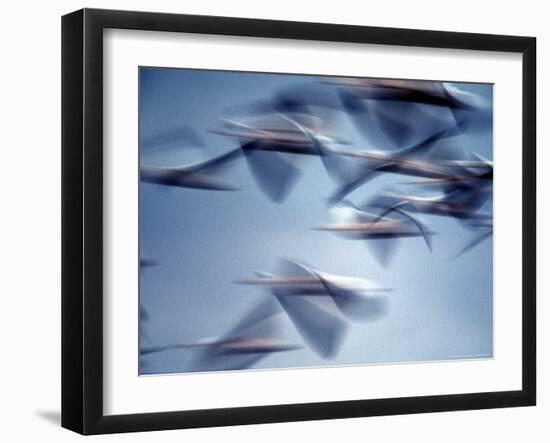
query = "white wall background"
{"x": 30, "y": 281}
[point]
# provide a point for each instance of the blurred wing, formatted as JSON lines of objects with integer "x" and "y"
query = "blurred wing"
{"x": 211, "y": 360}
{"x": 274, "y": 175}
{"x": 146, "y": 263}
{"x": 346, "y": 212}
{"x": 306, "y": 97}
{"x": 352, "y": 304}
{"x": 322, "y": 330}
{"x": 255, "y": 322}
{"x": 420, "y": 226}
{"x": 364, "y": 120}
{"x": 291, "y": 268}
{"x": 428, "y": 143}
{"x": 383, "y": 249}
{"x": 474, "y": 120}
{"x": 447, "y": 148}
{"x": 471, "y": 197}
{"x": 395, "y": 120}
{"x": 476, "y": 241}
{"x": 215, "y": 164}
{"x": 365, "y": 176}
{"x": 144, "y": 317}
{"x": 235, "y": 362}
{"x": 143, "y": 314}
{"x": 341, "y": 168}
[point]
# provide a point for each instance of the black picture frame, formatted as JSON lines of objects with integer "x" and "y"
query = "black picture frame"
{"x": 82, "y": 218}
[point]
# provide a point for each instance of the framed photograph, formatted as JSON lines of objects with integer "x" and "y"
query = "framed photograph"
{"x": 269, "y": 221}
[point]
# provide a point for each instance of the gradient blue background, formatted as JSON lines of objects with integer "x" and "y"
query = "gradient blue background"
{"x": 205, "y": 240}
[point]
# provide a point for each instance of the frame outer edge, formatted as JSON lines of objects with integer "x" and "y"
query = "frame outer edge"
{"x": 72, "y": 167}
{"x": 92, "y": 197}
{"x": 529, "y": 318}
{"x": 82, "y": 216}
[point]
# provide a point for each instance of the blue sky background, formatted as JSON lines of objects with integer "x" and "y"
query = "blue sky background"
{"x": 205, "y": 240}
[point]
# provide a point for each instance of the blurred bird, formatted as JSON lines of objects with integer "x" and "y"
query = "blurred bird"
{"x": 414, "y": 91}
{"x": 486, "y": 228}
{"x": 309, "y": 103}
{"x": 381, "y": 232}
{"x": 319, "y": 303}
{"x": 249, "y": 341}
{"x": 144, "y": 337}
{"x": 202, "y": 175}
{"x": 461, "y": 202}
{"x": 391, "y": 112}
{"x": 266, "y": 146}
{"x": 146, "y": 263}
{"x": 413, "y": 160}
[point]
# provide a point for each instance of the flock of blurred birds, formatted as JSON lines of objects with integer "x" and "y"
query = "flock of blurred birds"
{"x": 416, "y": 127}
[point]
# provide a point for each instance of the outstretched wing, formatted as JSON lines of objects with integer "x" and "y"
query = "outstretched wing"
{"x": 353, "y": 304}
{"x": 473, "y": 243}
{"x": 396, "y": 120}
{"x": 366, "y": 175}
{"x": 274, "y": 175}
{"x": 383, "y": 249}
{"x": 174, "y": 176}
{"x": 370, "y": 172}
{"x": 425, "y": 145}
{"x": 292, "y": 268}
{"x": 214, "y": 164}
{"x": 415, "y": 221}
{"x": 256, "y": 324}
{"x": 321, "y": 329}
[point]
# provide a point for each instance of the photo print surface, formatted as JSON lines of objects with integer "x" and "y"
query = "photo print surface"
{"x": 297, "y": 221}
